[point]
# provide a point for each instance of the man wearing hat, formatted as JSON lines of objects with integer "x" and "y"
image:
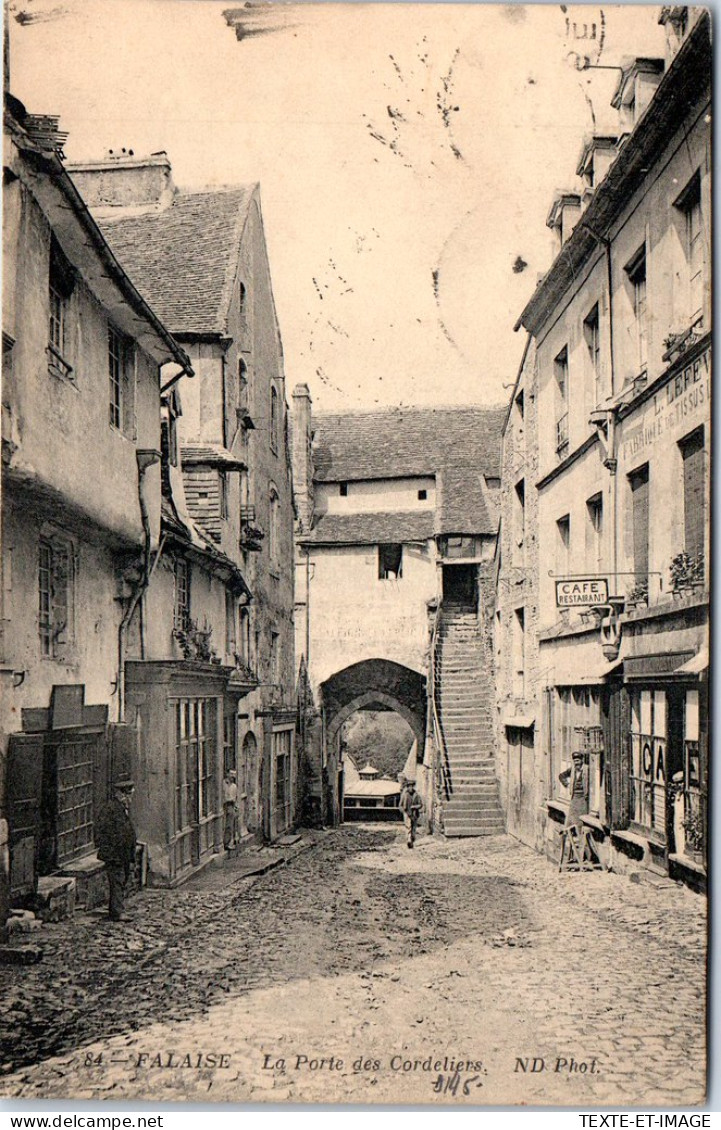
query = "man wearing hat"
{"x": 411, "y": 806}
{"x": 115, "y": 839}
{"x": 575, "y": 779}
{"x": 230, "y": 809}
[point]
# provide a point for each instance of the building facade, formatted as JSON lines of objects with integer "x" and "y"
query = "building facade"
{"x": 396, "y": 536}
{"x": 202, "y": 260}
{"x": 621, "y": 334}
{"x": 81, "y": 445}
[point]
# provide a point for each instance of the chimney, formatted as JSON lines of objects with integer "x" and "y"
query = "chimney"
{"x": 563, "y": 216}
{"x": 302, "y": 455}
{"x": 122, "y": 181}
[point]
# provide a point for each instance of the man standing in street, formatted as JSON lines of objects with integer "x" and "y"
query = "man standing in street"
{"x": 411, "y": 806}
{"x": 115, "y": 839}
{"x": 230, "y": 809}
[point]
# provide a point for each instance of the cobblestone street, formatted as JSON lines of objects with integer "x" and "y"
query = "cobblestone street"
{"x": 357, "y": 950}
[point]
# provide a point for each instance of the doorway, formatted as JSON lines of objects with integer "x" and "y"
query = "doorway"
{"x": 460, "y": 585}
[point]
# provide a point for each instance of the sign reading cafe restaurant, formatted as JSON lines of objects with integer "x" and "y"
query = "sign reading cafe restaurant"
{"x": 581, "y": 591}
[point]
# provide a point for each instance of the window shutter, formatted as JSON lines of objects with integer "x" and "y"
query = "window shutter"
{"x": 639, "y": 488}
{"x": 693, "y": 493}
{"x": 24, "y": 791}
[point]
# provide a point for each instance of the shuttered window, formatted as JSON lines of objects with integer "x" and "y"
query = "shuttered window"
{"x": 692, "y": 452}
{"x": 639, "y": 513}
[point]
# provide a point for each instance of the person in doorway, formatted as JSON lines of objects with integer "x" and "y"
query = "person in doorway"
{"x": 115, "y": 839}
{"x": 411, "y": 806}
{"x": 230, "y": 810}
{"x": 575, "y": 779}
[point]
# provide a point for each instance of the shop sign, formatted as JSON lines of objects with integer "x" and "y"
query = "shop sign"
{"x": 684, "y": 397}
{"x": 581, "y": 592}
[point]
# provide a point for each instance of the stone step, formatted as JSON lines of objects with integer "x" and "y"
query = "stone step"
{"x": 457, "y": 833}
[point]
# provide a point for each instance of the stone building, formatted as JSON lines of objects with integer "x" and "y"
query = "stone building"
{"x": 396, "y": 536}
{"x": 621, "y": 327}
{"x": 223, "y": 595}
{"x": 81, "y": 505}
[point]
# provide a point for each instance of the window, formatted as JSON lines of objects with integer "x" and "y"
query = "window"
{"x": 56, "y": 583}
{"x": 275, "y": 659}
{"x": 519, "y": 652}
{"x": 638, "y": 482}
{"x": 274, "y": 530}
{"x": 223, "y": 494}
{"x": 116, "y": 374}
{"x": 648, "y": 759}
{"x": 456, "y": 547}
{"x": 390, "y": 562}
{"x": 575, "y": 710}
{"x": 242, "y": 300}
{"x": 245, "y": 637}
{"x": 592, "y": 336}
{"x": 242, "y": 385}
{"x": 594, "y": 541}
{"x": 422, "y": 495}
{"x": 689, "y": 205}
{"x": 636, "y": 271}
{"x": 563, "y": 544}
{"x": 274, "y": 419}
{"x": 694, "y": 491}
{"x": 343, "y": 490}
{"x": 60, "y": 287}
{"x": 231, "y": 618}
{"x": 182, "y": 595}
{"x": 519, "y": 523}
{"x": 74, "y": 757}
{"x": 560, "y": 369}
{"x": 195, "y": 761}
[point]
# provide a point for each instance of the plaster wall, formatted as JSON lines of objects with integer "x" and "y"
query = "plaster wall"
{"x": 376, "y": 495}
{"x": 91, "y": 656}
{"x": 355, "y": 616}
{"x": 63, "y": 442}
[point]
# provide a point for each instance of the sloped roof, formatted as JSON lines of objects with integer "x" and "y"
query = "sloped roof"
{"x": 460, "y": 446}
{"x": 211, "y": 454}
{"x": 372, "y": 528}
{"x": 184, "y": 259}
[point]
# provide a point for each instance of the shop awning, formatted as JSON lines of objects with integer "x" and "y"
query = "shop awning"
{"x": 696, "y": 666}
{"x": 577, "y": 674}
{"x": 519, "y": 721}
{"x": 663, "y": 666}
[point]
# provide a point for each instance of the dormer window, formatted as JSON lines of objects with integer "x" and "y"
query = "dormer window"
{"x": 597, "y": 157}
{"x": 635, "y": 89}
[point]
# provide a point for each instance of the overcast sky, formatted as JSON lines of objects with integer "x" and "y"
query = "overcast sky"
{"x": 407, "y": 157}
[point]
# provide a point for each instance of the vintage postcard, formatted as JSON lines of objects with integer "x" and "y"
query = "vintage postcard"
{"x": 354, "y": 647}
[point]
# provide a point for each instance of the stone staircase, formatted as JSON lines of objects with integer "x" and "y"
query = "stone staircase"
{"x": 464, "y": 697}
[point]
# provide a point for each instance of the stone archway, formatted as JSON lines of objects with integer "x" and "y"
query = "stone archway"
{"x": 375, "y": 682}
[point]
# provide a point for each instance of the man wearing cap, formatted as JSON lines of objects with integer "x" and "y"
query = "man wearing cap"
{"x": 575, "y": 779}
{"x": 411, "y": 806}
{"x": 115, "y": 839}
{"x": 230, "y": 808}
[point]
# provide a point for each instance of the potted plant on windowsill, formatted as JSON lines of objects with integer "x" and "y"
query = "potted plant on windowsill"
{"x": 687, "y": 573}
{"x": 195, "y": 642}
{"x": 694, "y": 835}
{"x": 638, "y": 596}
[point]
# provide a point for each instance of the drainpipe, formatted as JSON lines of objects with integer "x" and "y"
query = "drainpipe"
{"x": 145, "y": 458}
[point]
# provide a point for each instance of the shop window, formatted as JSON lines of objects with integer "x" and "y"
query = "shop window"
{"x": 56, "y": 595}
{"x": 576, "y": 724}
{"x": 694, "y": 492}
{"x": 648, "y": 760}
{"x": 195, "y": 761}
{"x": 638, "y": 482}
{"x": 390, "y": 562}
{"x": 182, "y": 595}
{"x": 636, "y": 273}
{"x": 695, "y": 804}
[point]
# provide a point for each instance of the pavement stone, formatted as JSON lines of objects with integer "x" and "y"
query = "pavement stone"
{"x": 357, "y": 949}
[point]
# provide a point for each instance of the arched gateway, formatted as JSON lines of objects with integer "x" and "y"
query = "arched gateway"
{"x": 375, "y": 684}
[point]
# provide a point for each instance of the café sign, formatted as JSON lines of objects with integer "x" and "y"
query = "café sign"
{"x": 582, "y": 591}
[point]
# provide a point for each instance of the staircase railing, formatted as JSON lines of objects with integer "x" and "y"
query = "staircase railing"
{"x": 444, "y": 765}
